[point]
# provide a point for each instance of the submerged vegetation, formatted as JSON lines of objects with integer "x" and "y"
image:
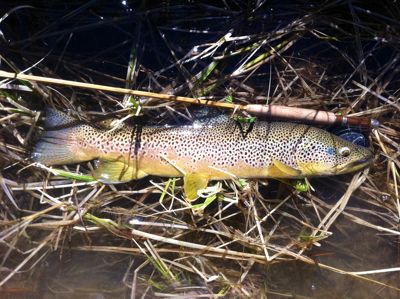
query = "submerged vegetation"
{"x": 63, "y": 234}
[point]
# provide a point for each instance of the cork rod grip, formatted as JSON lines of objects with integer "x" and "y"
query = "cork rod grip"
{"x": 307, "y": 115}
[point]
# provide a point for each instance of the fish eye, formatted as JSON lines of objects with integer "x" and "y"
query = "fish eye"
{"x": 344, "y": 151}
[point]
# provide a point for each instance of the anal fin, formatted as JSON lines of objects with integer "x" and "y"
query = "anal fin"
{"x": 116, "y": 171}
{"x": 193, "y": 182}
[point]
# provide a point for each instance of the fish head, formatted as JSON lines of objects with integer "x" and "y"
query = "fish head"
{"x": 322, "y": 153}
{"x": 350, "y": 157}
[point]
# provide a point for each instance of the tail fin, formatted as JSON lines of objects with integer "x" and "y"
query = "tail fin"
{"x": 55, "y": 118}
{"x": 58, "y": 146}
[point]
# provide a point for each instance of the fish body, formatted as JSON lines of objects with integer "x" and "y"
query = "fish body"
{"x": 217, "y": 148}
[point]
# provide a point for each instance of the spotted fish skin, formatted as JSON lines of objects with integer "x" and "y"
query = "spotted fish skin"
{"x": 219, "y": 147}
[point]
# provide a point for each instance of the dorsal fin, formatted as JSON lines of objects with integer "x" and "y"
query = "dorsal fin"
{"x": 211, "y": 120}
{"x": 56, "y": 118}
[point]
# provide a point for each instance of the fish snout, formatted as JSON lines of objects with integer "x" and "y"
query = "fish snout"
{"x": 365, "y": 158}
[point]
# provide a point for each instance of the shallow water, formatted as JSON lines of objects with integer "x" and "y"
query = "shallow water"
{"x": 80, "y": 274}
{"x": 351, "y": 248}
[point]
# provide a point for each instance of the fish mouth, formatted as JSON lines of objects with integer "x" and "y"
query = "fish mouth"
{"x": 355, "y": 165}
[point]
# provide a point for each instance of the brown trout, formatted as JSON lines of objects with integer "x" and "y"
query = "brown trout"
{"x": 212, "y": 149}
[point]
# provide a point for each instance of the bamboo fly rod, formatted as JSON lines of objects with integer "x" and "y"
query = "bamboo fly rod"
{"x": 270, "y": 111}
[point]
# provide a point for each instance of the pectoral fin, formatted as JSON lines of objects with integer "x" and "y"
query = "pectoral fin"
{"x": 193, "y": 182}
{"x": 116, "y": 171}
{"x": 281, "y": 170}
